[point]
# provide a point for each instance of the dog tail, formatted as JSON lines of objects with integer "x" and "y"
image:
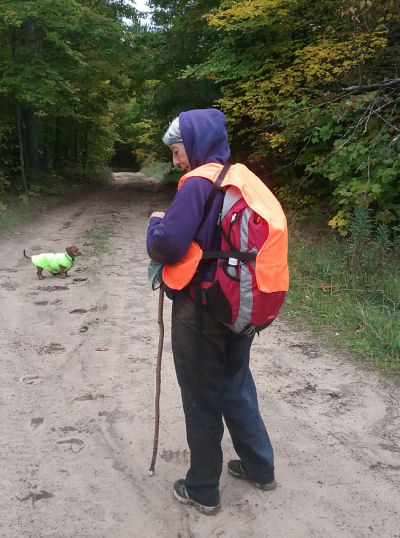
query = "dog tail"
{"x": 27, "y": 257}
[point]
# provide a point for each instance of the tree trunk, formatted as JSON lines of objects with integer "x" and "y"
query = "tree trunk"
{"x": 85, "y": 133}
{"x": 33, "y": 151}
{"x": 56, "y": 147}
{"x": 85, "y": 148}
{"x": 21, "y": 149}
{"x": 18, "y": 121}
{"x": 75, "y": 148}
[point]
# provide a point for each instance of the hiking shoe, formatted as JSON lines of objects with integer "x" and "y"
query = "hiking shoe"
{"x": 235, "y": 467}
{"x": 181, "y": 494}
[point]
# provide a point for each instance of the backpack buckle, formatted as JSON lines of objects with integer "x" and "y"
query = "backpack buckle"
{"x": 249, "y": 331}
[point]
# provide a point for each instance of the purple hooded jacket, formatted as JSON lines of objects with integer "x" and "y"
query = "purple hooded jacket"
{"x": 205, "y": 138}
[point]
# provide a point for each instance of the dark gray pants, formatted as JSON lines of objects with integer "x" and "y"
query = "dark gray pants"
{"x": 212, "y": 367}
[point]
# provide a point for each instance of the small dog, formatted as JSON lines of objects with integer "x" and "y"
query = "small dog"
{"x": 56, "y": 264}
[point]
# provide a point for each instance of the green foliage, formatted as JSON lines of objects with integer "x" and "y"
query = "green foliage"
{"x": 4, "y": 184}
{"x": 308, "y": 82}
{"x": 364, "y": 172}
{"x": 180, "y": 36}
{"x": 298, "y": 203}
{"x": 55, "y": 189}
{"x": 63, "y": 63}
{"x": 310, "y": 90}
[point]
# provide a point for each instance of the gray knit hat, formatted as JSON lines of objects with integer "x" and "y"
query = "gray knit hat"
{"x": 173, "y": 133}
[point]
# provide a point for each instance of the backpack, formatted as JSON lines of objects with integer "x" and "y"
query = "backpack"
{"x": 233, "y": 297}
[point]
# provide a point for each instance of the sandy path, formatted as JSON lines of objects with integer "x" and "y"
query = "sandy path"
{"x": 77, "y": 361}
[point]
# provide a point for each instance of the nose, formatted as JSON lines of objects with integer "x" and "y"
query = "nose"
{"x": 175, "y": 160}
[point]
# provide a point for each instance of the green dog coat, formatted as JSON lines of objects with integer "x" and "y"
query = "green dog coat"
{"x": 51, "y": 262}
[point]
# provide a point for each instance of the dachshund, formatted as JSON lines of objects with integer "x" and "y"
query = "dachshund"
{"x": 56, "y": 264}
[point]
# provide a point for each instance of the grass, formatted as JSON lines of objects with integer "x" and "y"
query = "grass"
{"x": 162, "y": 170}
{"x": 97, "y": 243}
{"x": 18, "y": 208}
{"x": 98, "y": 239}
{"x": 348, "y": 290}
{"x": 156, "y": 169}
{"x": 19, "y": 212}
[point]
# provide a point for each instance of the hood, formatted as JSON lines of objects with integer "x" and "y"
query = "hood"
{"x": 204, "y": 136}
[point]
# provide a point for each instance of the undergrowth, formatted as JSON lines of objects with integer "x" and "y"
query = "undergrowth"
{"x": 349, "y": 289}
{"x": 17, "y": 207}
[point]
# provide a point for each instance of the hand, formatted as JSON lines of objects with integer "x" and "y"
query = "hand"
{"x": 159, "y": 214}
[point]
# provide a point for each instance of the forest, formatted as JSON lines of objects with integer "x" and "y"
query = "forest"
{"x": 310, "y": 91}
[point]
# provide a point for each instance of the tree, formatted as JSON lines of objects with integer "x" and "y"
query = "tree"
{"x": 178, "y": 36}
{"x": 312, "y": 91}
{"x": 62, "y": 63}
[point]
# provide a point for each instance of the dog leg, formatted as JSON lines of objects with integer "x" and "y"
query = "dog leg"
{"x": 40, "y": 273}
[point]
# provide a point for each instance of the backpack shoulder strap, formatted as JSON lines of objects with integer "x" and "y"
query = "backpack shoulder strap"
{"x": 215, "y": 189}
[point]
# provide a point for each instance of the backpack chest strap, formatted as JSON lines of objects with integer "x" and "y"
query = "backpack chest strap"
{"x": 243, "y": 256}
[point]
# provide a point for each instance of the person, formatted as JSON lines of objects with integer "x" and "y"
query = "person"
{"x": 211, "y": 361}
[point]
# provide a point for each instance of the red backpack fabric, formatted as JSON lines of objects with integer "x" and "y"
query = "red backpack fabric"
{"x": 234, "y": 297}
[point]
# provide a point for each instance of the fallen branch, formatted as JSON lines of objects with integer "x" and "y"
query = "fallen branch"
{"x": 374, "y": 86}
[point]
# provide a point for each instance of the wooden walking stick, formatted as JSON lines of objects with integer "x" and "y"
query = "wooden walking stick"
{"x": 158, "y": 379}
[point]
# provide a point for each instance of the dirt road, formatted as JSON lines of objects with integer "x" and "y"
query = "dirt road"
{"x": 77, "y": 369}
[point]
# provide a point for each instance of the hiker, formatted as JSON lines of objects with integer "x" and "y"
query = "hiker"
{"x": 211, "y": 361}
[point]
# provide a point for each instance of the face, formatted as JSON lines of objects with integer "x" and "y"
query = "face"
{"x": 73, "y": 251}
{"x": 179, "y": 156}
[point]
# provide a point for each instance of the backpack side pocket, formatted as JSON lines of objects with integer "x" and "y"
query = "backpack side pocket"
{"x": 217, "y": 303}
